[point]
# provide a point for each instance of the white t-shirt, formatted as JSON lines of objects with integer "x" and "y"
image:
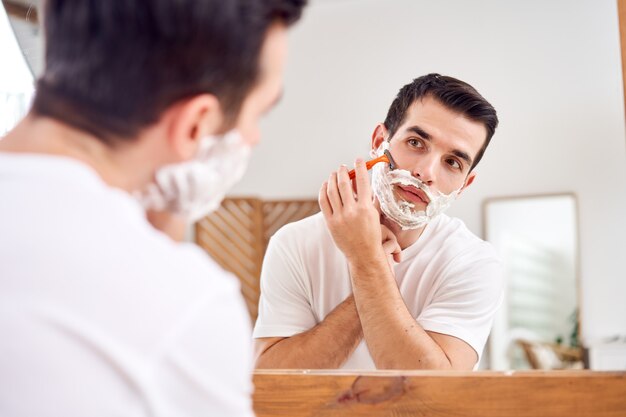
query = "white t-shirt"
{"x": 450, "y": 280}
{"x": 100, "y": 314}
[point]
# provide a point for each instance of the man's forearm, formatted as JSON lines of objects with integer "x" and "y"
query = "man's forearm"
{"x": 393, "y": 336}
{"x": 327, "y": 345}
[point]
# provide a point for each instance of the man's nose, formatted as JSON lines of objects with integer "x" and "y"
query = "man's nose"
{"x": 424, "y": 170}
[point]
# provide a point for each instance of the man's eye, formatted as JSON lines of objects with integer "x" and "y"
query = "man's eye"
{"x": 454, "y": 164}
{"x": 415, "y": 143}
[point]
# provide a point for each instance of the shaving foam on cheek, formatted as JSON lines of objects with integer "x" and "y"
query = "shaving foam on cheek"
{"x": 400, "y": 211}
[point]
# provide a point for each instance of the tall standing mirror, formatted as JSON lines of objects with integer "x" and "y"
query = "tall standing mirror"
{"x": 537, "y": 240}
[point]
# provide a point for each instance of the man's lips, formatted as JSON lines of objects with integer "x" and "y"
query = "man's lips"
{"x": 414, "y": 194}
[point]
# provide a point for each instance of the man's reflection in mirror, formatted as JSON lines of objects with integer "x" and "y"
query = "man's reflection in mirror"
{"x": 382, "y": 278}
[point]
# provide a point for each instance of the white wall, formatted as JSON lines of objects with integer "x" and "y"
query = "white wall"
{"x": 552, "y": 70}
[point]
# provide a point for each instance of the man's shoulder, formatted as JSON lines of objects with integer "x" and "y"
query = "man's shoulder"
{"x": 305, "y": 241}
{"x": 454, "y": 238}
{"x": 310, "y": 228}
{"x": 93, "y": 230}
{"x": 184, "y": 266}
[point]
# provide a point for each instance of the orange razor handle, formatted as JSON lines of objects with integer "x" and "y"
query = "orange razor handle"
{"x": 369, "y": 164}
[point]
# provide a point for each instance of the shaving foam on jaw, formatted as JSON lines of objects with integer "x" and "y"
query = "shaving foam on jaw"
{"x": 403, "y": 212}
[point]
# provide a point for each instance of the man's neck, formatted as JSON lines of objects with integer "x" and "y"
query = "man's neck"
{"x": 118, "y": 168}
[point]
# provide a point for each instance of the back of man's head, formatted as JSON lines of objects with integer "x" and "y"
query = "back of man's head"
{"x": 113, "y": 67}
{"x": 454, "y": 94}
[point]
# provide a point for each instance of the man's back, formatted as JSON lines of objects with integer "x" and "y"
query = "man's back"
{"x": 102, "y": 315}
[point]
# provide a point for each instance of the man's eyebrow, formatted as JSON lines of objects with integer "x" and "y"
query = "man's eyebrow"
{"x": 458, "y": 153}
{"x": 419, "y": 131}
{"x": 462, "y": 155}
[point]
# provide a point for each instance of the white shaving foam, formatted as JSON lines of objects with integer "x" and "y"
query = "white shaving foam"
{"x": 403, "y": 212}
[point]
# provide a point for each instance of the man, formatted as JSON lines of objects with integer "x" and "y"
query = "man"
{"x": 100, "y": 313}
{"x": 333, "y": 295}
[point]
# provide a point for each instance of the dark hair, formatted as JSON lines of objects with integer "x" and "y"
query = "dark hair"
{"x": 113, "y": 66}
{"x": 454, "y": 94}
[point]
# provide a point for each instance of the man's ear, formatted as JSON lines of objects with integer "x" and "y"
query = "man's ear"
{"x": 379, "y": 135}
{"x": 190, "y": 121}
{"x": 468, "y": 181}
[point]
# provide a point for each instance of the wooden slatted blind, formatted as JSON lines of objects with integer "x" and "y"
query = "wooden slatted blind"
{"x": 236, "y": 236}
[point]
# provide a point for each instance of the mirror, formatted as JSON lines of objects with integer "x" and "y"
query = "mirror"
{"x": 537, "y": 239}
{"x": 551, "y": 69}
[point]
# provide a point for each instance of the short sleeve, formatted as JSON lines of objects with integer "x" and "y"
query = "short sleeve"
{"x": 284, "y": 305}
{"x": 469, "y": 293}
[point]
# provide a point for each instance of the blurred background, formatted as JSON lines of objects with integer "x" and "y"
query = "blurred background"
{"x": 550, "y": 192}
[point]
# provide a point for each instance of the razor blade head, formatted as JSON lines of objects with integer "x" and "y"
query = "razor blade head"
{"x": 392, "y": 163}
